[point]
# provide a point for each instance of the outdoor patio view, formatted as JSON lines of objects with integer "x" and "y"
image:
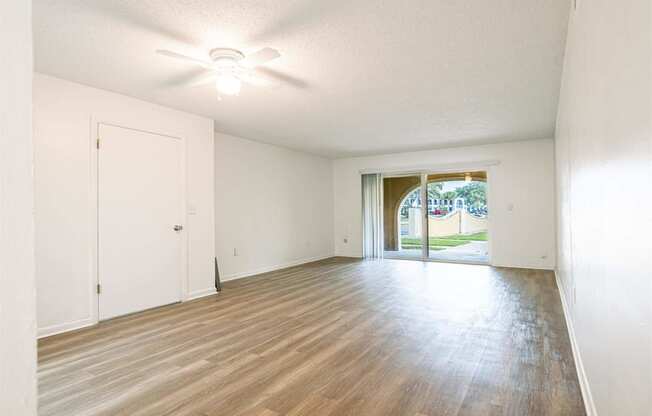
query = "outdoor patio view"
{"x": 457, "y": 220}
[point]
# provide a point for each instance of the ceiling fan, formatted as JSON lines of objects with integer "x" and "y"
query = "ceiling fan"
{"x": 229, "y": 68}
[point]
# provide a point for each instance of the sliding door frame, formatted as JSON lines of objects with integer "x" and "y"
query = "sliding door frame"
{"x": 423, "y": 174}
{"x": 425, "y": 243}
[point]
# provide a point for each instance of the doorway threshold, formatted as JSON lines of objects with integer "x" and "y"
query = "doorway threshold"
{"x": 435, "y": 260}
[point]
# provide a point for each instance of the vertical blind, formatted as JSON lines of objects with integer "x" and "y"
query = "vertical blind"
{"x": 372, "y": 216}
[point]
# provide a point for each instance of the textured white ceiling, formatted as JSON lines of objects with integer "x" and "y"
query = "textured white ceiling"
{"x": 369, "y": 76}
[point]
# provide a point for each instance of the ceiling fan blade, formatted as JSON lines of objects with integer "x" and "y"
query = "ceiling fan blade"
{"x": 278, "y": 76}
{"x": 205, "y": 78}
{"x": 181, "y": 57}
{"x": 258, "y": 58}
{"x": 258, "y": 80}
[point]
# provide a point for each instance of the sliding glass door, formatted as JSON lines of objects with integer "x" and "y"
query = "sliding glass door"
{"x": 403, "y": 220}
{"x": 441, "y": 217}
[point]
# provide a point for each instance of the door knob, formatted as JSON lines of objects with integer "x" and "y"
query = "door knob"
{"x": 178, "y": 227}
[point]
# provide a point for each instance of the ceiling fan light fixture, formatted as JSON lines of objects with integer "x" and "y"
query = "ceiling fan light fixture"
{"x": 228, "y": 84}
{"x": 228, "y": 68}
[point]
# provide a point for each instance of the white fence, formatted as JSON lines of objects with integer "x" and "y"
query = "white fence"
{"x": 456, "y": 222}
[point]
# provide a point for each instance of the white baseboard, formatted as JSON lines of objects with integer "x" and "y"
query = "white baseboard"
{"x": 201, "y": 293}
{"x": 83, "y": 323}
{"x": 65, "y": 327}
{"x": 275, "y": 267}
{"x": 516, "y": 265}
{"x": 589, "y": 405}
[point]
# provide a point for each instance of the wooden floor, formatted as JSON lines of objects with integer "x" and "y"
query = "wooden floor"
{"x": 336, "y": 337}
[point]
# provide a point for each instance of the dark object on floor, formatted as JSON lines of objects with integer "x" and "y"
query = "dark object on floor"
{"x": 218, "y": 285}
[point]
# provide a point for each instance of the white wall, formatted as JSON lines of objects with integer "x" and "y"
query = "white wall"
{"x": 273, "y": 206}
{"x": 604, "y": 162}
{"x": 523, "y": 180}
{"x": 17, "y": 292}
{"x": 64, "y": 117}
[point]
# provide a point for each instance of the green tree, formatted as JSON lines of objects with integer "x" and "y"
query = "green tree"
{"x": 434, "y": 190}
{"x": 449, "y": 195}
{"x": 473, "y": 193}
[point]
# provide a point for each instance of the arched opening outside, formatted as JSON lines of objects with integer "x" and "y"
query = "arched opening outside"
{"x": 457, "y": 218}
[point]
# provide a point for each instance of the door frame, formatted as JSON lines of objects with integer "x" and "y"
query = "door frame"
{"x": 95, "y": 123}
{"x": 425, "y": 170}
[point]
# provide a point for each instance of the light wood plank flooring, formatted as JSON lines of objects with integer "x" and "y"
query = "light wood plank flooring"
{"x": 336, "y": 337}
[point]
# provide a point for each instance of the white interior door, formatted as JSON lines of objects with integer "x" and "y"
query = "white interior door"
{"x": 139, "y": 204}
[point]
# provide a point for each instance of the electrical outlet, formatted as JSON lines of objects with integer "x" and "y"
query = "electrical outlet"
{"x": 235, "y": 252}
